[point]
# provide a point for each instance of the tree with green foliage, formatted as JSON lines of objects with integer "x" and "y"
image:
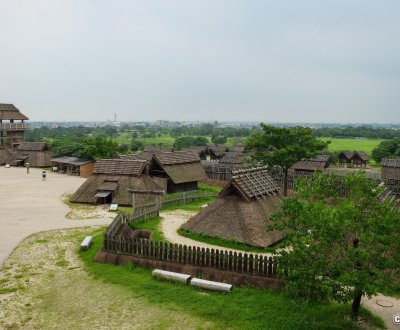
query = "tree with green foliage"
{"x": 136, "y": 145}
{"x": 283, "y": 147}
{"x": 100, "y": 146}
{"x": 219, "y": 139}
{"x": 342, "y": 240}
{"x": 386, "y": 149}
{"x": 189, "y": 141}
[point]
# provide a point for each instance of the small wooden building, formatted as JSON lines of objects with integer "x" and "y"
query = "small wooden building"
{"x": 345, "y": 157}
{"x": 111, "y": 180}
{"x": 307, "y": 167}
{"x": 217, "y": 152}
{"x": 37, "y": 154}
{"x": 181, "y": 169}
{"x": 242, "y": 210}
{"x": 360, "y": 159}
{"x": 73, "y": 165}
{"x": 202, "y": 151}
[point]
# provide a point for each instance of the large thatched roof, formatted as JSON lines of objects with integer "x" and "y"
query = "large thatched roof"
{"x": 32, "y": 146}
{"x": 181, "y": 166}
{"x": 233, "y": 218}
{"x": 242, "y": 210}
{"x": 156, "y": 149}
{"x": 10, "y": 111}
{"x": 119, "y": 167}
{"x": 117, "y": 184}
{"x": 72, "y": 160}
{"x": 318, "y": 163}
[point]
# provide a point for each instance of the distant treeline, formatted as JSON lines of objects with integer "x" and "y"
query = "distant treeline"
{"x": 356, "y": 132}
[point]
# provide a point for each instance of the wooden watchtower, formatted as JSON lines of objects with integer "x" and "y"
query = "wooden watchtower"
{"x": 12, "y": 126}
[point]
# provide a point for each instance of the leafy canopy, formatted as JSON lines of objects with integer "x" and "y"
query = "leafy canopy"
{"x": 338, "y": 247}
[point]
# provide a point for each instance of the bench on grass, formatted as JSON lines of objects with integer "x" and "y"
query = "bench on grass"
{"x": 86, "y": 243}
{"x": 171, "y": 276}
{"x": 210, "y": 285}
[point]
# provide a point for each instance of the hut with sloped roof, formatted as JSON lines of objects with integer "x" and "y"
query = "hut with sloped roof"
{"x": 202, "y": 151}
{"x": 36, "y": 154}
{"x": 73, "y": 165}
{"x": 110, "y": 180}
{"x": 156, "y": 149}
{"x": 345, "y": 157}
{"x": 391, "y": 171}
{"x": 242, "y": 210}
{"x": 360, "y": 159}
{"x": 217, "y": 152}
{"x": 181, "y": 170}
{"x": 307, "y": 167}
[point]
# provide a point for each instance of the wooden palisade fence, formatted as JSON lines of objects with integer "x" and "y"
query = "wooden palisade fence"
{"x": 249, "y": 264}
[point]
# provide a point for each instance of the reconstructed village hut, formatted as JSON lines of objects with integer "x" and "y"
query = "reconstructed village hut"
{"x": 74, "y": 166}
{"x": 156, "y": 149}
{"x": 360, "y": 159}
{"x": 110, "y": 180}
{"x": 345, "y": 157}
{"x": 202, "y": 151}
{"x": 307, "y": 167}
{"x": 181, "y": 169}
{"x": 242, "y": 210}
{"x": 217, "y": 151}
{"x": 37, "y": 154}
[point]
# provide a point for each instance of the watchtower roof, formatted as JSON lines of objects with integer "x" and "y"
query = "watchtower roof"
{"x": 10, "y": 111}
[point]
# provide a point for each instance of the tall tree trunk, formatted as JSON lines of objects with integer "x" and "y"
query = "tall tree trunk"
{"x": 355, "y": 306}
{"x": 285, "y": 181}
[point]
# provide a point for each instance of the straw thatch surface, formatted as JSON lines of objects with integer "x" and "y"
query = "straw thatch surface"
{"x": 156, "y": 149}
{"x": 86, "y": 192}
{"x": 347, "y": 155}
{"x": 318, "y": 163}
{"x": 9, "y": 111}
{"x": 233, "y": 218}
{"x": 72, "y": 160}
{"x": 387, "y": 162}
{"x": 233, "y": 157}
{"x": 185, "y": 172}
{"x": 176, "y": 158}
{"x": 119, "y": 167}
{"x": 362, "y": 155}
{"x": 32, "y": 146}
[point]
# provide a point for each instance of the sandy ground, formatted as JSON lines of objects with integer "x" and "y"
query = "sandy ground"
{"x": 44, "y": 285}
{"x": 386, "y": 313}
{"x": 173, "y": 220}
{"x": 29, "y": 205}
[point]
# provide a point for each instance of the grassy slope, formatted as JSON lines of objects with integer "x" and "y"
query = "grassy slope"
{"x": 244, "y": 308}
{"x": 366, "y": 145}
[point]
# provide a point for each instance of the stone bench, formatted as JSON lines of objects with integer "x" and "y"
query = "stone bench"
{"x": 211, "y": 285}
{"x": 171, "y": 276}
{"x": 86, "y": 243}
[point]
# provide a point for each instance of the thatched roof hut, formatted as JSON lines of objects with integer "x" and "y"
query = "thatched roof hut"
{"x": 182, "y": 169}
{"x": 110, "y": 180}
{"x": 360, "y": 158}
{"x": 156, "y": 149}
{"x": 217, "y": 151}
{"x": 11, "y": 112}
{"x": 391, "y": 170}
{"x": 242, "y": 210}
{"x": 306, "y": 167}
{"x": 37, "y": 154}
{"x": 73, "y": 165}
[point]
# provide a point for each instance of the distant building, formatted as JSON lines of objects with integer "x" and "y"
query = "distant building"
{"x": 390, "y": 170}
{"x": 12, "y": 130}
{"x": 36, "y": 154}
{"x": 307, "y": 167}
{"x": 74, "y": 166}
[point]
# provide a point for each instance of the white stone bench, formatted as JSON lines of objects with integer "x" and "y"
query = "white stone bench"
{"x": 171, "y": 276}
{"x": 86, "y": 243}
{"x": 211, "y": 285}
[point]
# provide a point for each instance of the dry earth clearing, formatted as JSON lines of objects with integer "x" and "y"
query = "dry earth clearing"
{"x": 45, "y": 286}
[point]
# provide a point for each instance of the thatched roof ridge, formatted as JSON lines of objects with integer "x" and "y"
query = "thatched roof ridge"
{"x": 32, "y": 146}
{"x": 318, "y": 163}
{"x": 176, "y": 158}
{"x": 233, "y": 218}
{"x": 347, "y": 154}
{"x": 254, "y": 183}
{"x": 189, "y": 172}
{"x": 156, "y": 149}
{"x": 119, "y": 167}
{"x": 10, "y": 111}
{"x": 362, "y": 155}
{"x": 233, "y": 157}
{"x": 389, "y": 162}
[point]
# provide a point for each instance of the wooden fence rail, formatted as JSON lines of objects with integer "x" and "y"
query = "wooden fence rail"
{"x": 185, "y": 198}
{"x": 250, "y": 264}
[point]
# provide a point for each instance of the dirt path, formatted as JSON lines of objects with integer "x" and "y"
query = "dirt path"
{"x": 173, "y": 220}
{"x": 29, "y": 205}
{"x": 386, "y": 313}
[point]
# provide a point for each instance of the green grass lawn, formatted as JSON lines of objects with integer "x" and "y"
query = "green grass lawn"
{"x": 360, "y": 144}
{"x": 153, "y": 224}
{"x": 244, "y": 308}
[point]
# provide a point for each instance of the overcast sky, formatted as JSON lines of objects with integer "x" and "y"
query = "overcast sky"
{"x": 287, "y": 61}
